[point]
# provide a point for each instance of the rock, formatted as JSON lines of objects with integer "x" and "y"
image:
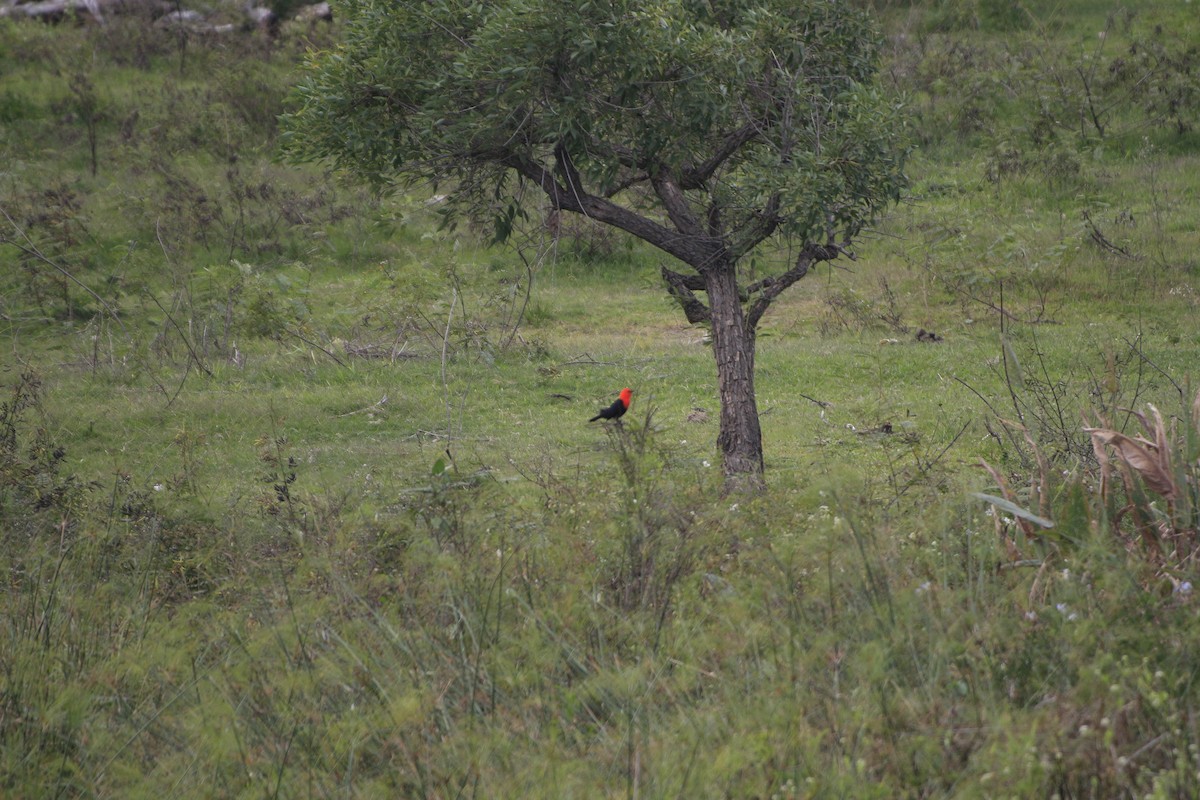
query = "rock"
{"x": 320, "y": 12}
{"x": 262, "y": 17}
{"x": 56, "y": 10}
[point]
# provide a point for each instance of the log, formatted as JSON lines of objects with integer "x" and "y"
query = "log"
{"x": 56, "y": 10}
{"x": 320, "y": 12}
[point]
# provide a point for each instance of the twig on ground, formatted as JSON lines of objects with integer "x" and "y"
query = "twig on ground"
{"x": 382, "y": 402}
{"x": 311, "y": 343}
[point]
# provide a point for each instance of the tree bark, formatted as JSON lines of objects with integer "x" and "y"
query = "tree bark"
{"x": 740, "y": 438}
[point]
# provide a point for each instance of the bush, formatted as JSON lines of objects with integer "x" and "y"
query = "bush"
{"x": 33, "y": 491}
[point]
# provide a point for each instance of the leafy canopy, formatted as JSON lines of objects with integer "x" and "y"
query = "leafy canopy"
{"x": 762, "y": 112}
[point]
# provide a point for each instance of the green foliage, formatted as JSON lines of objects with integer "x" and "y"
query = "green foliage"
{"x": 33, "y": 489}
{"x": 615, "y": 86}
{"x": 1117, "y": 80}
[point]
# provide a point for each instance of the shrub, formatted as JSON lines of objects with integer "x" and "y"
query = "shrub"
{"x": 32, "y": 485}
{"x": 1149, "y": 487}
{"x": 1144, "y": 492}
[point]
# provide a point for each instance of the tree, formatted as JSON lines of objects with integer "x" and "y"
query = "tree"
{"x": 718, "y": 131}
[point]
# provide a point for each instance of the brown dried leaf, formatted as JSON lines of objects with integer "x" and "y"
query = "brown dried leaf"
{"x": 1102, "y": 459}
{"x": 1162, "y": 446}
{"x": 1040, "y": 484}
{"x": 998, "y": 478}
{"x": 1141, "y": 456}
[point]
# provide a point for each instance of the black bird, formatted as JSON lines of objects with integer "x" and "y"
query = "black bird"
{"x": 617, "y": 409}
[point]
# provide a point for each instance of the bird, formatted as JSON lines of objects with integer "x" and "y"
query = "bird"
{"x": 619, "y": 406}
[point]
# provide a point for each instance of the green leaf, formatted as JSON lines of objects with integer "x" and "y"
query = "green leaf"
{"x": 1013, "y": 508}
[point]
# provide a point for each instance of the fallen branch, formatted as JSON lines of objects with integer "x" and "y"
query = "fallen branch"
{"x": 32, "y": 250}
{"x": 376, "y": 407}
{"x": 311, "y": 343}
{"x": 1099, "y": 238}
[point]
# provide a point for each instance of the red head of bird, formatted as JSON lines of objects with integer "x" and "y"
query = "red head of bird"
{"x": 626, "y": 397}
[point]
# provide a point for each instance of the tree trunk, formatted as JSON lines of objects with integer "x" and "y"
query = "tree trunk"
{"x": 740, "y": 439}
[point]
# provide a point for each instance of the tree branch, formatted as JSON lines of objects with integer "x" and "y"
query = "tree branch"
{"x": 770, "y": 288}
{"x": 693, "y": 283}
{"x": 761, "y": 228}
{"x": 697, "y": 252}
{"x": 567, "y": 170}
{"x": 621, "y": 185}
{"x": 716, "y": 223}
{"x": 696, "y": 177}
{"x": 681, "y": 288}
{"x": 676, "y": 204}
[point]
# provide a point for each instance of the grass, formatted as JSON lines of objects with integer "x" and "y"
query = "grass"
{"x": 310, "y": 520}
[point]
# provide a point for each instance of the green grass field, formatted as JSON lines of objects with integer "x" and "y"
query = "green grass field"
{"x": 298, "y": 497}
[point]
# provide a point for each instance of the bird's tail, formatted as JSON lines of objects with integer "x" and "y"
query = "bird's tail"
{"x": 593, "y": 419}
